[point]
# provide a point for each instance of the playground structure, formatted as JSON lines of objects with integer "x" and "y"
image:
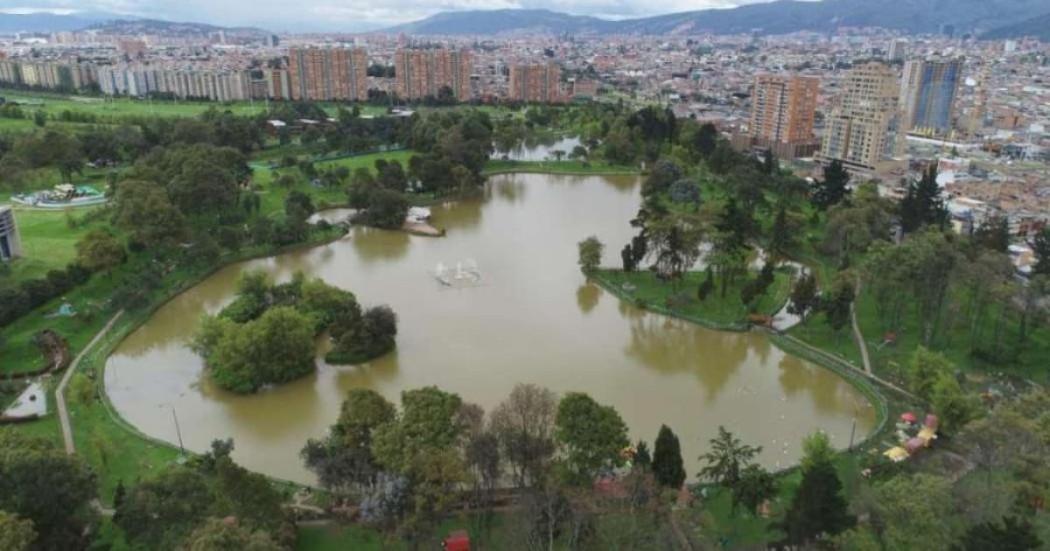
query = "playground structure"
{"x": 912, "y": 436}
{"x": 62, "y": 196}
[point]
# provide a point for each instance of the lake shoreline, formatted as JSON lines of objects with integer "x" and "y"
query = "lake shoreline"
{"x": 99, "y": 365}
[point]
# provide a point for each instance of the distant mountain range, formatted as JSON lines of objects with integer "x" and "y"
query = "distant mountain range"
{"x": 110, "y": 23}
{"x": 778, "y": 17}
{"x": 1038, "y": 27}
{"x": 49, "y": 22}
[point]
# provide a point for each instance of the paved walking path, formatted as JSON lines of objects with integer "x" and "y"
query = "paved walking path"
{"x": 60, "y": 398}
{"x": 857, "y": 335}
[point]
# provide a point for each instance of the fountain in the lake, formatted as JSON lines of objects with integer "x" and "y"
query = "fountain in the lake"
{"x": 464, "y": 274}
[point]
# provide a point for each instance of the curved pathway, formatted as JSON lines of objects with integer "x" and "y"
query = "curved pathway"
{"x": 60, "y": 397}
{"x": 857, "y": 335}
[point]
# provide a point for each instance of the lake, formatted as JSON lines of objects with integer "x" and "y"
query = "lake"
{"x": 532, "y": 317}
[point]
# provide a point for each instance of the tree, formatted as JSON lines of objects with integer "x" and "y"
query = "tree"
{"x": 782, "y": 236}
{"x": 99, "y": 250}
{"x": 275, "y": 348}
{"x": 16, "y": 534}
{"x": 642, "y": 458}
{"x": 224, "y": 534}
{"x": 143, "y": 209}
{"x": 994, "y": 234}
{"x": 755, "y": 486}
{"x": 834, "y": 188}
{"x": 837, "y": 305}
{"x": 952, "y": 404}
{"x": 160, "y": 512}
{"x": 1041, "y": 248}
{"x": 386, "y": 209}
{"x": 524, "y": 425}
{"x": 925, "y": 368}
{"x": 923, "y": 204}
{"x": 41, "y": 484}
{"x": 706, "y": 139}
{"x": 818, "y": 507}
{"x": 912, "y": 511}
{"x": 667, "y": 459}
{"x": 592, "y": 435}
{"x": 427, "y": 423}
{"x": 707, "y": 285}
{"x": 590, "y": 253}
{"x": 1013, "y": 535}
{"x": 371, "y": 337}
{"x": 343, "y": 460}
{"x": 727, "y": 459}
{"x": 804, "y": 296}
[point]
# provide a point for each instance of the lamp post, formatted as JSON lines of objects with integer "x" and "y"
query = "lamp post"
{"x": 178, "y": 430}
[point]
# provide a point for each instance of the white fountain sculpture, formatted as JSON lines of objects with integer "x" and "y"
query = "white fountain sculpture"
{"x": 465, "y": 274}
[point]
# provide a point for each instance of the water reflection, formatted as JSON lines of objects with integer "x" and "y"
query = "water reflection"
{"x": 587, "y": 296}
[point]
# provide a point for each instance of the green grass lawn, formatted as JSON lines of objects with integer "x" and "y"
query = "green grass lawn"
{"x": 109, "y": 107}
{"x": 273, "y": 196}
{"x": 48, "y": 240}
{"x": 557, "y": 167}
{"x": 679, "y": 298}
{"x": 494, "y": 534}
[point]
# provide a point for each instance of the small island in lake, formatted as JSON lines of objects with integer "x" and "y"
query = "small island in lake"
{"x": 266, "y": 335}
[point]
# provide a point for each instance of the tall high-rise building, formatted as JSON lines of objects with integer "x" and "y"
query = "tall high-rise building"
{"x": 10, "y": 242}
{"x": 857, "y": 130}
{"x": 540, "y": 83}
{"x": 328, "y": 73}
{"x": 423, "y": 73}
{"x": 898, "y": 50}
{"x": 783, "y": 108}
{"x": 927, "y": 94}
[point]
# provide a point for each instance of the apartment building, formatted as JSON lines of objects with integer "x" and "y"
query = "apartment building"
{"x": 324, "y": 74}
{"x": 539, "y": 83}
{"x": 857, "y": 131}
{"x": 421, "y": 73}
{"x": 783, "y": 108}
{"x": 927, "y": 94}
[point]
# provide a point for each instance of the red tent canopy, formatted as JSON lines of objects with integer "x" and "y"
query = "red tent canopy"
{"x": 908, "y": 417}
{"x": 457, "y": 541}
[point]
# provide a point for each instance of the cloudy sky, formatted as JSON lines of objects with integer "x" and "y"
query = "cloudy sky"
{"x": 345, "y": 14}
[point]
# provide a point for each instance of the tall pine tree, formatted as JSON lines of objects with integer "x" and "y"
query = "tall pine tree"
{"x": 923, "y": 204}
{"x": 667, "y": 459}
{"x": 818, "y": 507}
{"x": 834, "y": 188}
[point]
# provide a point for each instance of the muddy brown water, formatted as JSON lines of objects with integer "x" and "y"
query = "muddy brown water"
{"x": 531, "y": 318}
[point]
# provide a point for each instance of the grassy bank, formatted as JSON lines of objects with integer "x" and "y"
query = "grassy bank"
{"x": 117, "y": 450}
{"x": 557, "y": 167}
{"x": 678, "y": 299}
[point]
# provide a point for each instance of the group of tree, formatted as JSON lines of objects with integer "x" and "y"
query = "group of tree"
{"x": 210, "y": 503}
{"x": 266, "y": 335}
{"x": 409, "y": 468}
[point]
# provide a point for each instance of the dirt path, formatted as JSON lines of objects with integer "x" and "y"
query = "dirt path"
{"x": 857, "y": 335}
{"x": 60, "y": 398}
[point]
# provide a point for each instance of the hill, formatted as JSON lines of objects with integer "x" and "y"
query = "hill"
{"x": 166, "y": 28}
{"x": 778, "y": 17}
{"x": 48, "y": 22}
{"x": 490, "y": 22}
{"x": 1038, "y": 27}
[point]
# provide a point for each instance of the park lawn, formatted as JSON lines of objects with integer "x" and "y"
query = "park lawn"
{"x": 54, "y": 104}
{"x": 332, "y": 537}
{"x": 110, "y": 107}
{"x": 495, "y": 166}
{"x": 888, "y": 360}
{"x": 48, "y": 241}
{"x": 273, "y": 196}
{"x": 719, "y": 311}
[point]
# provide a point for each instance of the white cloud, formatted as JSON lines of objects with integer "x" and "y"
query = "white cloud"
{"x": 348, "y": 14}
